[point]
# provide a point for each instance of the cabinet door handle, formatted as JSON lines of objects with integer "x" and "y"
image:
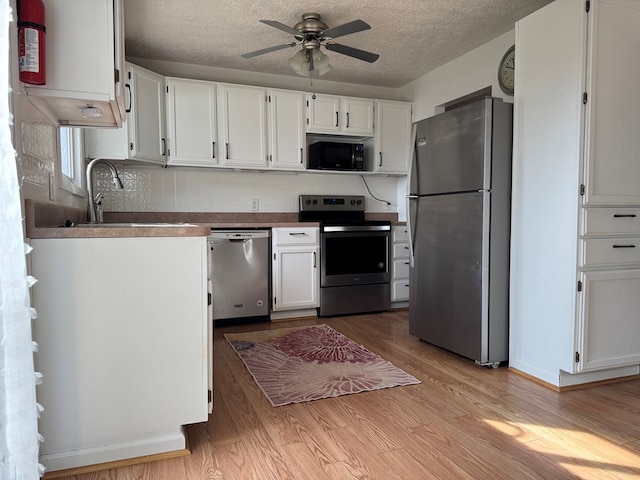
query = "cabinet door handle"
{"x": 301, "y": 155}
{"x": 314, "y": 260}
{"x": 128, "y": 87}
{"x": 624, "y": 246}
{"x": 213, "y": 149}
{"x": 296, "y": 233}
{"x": 164, "y": 147}
{"x": 380, "y": 153}
{"x": 406, "y": 263}
{"x": 347, "y": 119}
{"x": 624, "y": 215}
{"x": 227, "y": 150}
{"x": 336, "y": 119}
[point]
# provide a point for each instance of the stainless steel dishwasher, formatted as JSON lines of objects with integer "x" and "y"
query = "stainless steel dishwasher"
{"x": 240, "y": 273}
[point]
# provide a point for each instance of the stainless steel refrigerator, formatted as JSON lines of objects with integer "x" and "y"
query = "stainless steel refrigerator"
{"x": 458, "y": 215}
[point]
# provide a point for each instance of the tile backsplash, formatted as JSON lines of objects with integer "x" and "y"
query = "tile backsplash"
{"x": 184, "y": 189}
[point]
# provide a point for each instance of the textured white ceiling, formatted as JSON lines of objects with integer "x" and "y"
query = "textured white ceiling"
{"x": 412, "y": 37}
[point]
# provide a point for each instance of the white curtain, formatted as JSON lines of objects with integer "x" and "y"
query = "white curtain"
{"x": 18, "y": 408}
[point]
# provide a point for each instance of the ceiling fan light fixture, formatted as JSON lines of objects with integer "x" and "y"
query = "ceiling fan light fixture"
{"x": 300, "y": 63}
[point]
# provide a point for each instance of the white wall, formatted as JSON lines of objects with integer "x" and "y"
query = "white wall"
{"x": 469, "y": 73}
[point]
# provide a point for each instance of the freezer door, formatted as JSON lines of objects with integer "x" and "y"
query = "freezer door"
{"x": 452, "y": 151}
{"x": 449, "y": 280}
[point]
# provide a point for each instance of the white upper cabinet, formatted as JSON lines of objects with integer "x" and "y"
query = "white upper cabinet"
{"x": 146, "y": 116}
{"x": 85, "y": 63}
{"x": 286, "y": 129}
{"x": 191, "y": 123}
{"x": 142, "y": 137}
{"x": 392, "y": 137}
{"x": 339, "y": 115}
{"x": 613, "y": 103}
{"x": 242, "y": 114}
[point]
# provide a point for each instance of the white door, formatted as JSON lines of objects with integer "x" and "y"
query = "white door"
{"x": 242, "y": 117}
{"x": 191, "y": 123}
{"x": 286, "y": 119}
{"x": 357, "y": 116}
{"x": 392, "y": 137}
{"x": 323, "y": 113}
{"x": 610, "y": 326}
{"x": 613, "y": 176}
{"x": 146, "y": 119}
{"x": 296, "y": 273}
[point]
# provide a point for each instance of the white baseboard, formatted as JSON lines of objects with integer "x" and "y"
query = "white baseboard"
{"x": 571, "y": 379}
{"x": 291, "y": 314}
{"x": 110, "y": 453}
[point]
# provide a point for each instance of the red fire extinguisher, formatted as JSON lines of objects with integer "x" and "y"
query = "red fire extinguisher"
{"x": 31, "y": 42}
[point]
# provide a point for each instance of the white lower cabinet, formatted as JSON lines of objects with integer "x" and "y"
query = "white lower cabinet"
{"x": 611, "y": 329}
{"x": 400, "y": 264}
{"x": 123, "y": 342}
{"x": 296, "y": 268}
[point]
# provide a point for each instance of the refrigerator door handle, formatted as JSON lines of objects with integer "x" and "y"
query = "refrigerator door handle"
{"x": 410, "y": 198}
{"x": 410, "y": 195}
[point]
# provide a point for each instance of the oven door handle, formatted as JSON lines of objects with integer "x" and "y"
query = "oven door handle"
{"x": 356, "y": 228}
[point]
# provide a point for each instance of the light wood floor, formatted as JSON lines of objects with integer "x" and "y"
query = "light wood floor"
{"x": 461, "y": 422}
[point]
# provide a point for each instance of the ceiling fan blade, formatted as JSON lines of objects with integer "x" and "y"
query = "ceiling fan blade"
{"x": 346, "y": 29}
{"x": 267, "y": 50}
{"x": 353, "y": 52}
{"x": 280, "y": 26}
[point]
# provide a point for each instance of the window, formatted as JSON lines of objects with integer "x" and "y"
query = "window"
{"x": 71, "y": 160}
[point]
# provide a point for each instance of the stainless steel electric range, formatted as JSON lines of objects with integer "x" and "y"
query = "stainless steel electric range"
{"x": 355, "y": 254}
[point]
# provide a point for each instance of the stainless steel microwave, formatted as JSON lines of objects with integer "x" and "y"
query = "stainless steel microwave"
{"x": 336, "y": 156}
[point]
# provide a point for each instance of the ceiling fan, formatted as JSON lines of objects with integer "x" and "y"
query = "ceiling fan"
{"x": 312, "y": 33}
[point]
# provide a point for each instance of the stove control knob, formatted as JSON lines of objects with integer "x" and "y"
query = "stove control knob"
{"x": 315, "y": 201}
{"x": 308, "y": 202}
{"x": 359, "y": 202}
{"x": 353, "y": 202}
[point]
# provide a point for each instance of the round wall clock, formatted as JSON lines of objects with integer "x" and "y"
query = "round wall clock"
{"x": 506, "y": 70}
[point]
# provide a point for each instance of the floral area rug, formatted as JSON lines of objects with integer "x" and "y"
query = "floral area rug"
{"x": 300, "y": 364}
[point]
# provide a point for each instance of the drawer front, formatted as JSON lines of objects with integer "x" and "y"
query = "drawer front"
{"x": 611, "y": 221}
{"x": 611, "y": 251}
{"x": 400, "y": 268}
{"x": 399, "y": 290}
{"x": 296, "y": 236}
{"x": 399, "y": 234}
{"x": 401, "y": 250}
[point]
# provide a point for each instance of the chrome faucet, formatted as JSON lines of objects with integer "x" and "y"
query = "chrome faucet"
{"x": 93, "y": 200}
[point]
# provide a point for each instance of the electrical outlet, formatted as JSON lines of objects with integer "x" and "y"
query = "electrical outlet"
{"x": 255, "y": 204}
